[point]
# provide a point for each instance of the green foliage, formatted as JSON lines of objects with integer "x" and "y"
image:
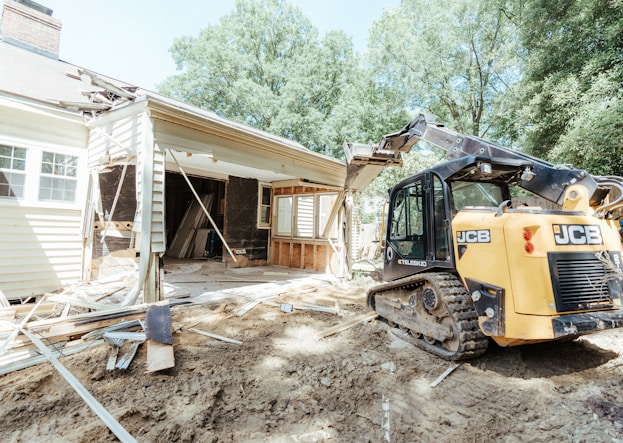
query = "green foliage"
{"x": 453, "y": 58}
{"x": 572, "y": 100}
{"x": 419, "y": 159}
{"x": 264, "y": 65}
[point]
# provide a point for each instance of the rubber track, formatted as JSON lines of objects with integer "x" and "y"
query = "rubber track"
{"x": 472, "y": 342}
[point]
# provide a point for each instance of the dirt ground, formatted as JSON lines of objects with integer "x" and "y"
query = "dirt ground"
{"x": 282, "y": 385}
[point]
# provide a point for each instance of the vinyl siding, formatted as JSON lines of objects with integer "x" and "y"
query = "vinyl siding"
{"x": 40, "y": 250}
{"x": 40, "y": 242}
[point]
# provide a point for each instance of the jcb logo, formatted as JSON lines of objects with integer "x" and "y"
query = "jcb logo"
{"x": 577, "y": 235}
{"x": 480, "y": 236}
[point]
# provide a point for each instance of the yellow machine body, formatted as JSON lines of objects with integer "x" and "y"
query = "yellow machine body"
{"x": 514, "y": 262}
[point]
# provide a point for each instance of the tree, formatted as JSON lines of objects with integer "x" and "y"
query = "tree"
{"x": 264, "y": 65}
{"x": 572, "y": 101}
{"x": 452, "y": 58}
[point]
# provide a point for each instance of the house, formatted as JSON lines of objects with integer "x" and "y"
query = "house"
{"x": 93, "y": 169}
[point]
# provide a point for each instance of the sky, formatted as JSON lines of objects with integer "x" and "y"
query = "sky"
{"x": 129, "y": 40}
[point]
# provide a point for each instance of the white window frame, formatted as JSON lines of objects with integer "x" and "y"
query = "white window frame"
{"x": 34, "y": 152}
{"x": 309, "y": 229}
{"x": 279, "y": 218}
{"x": 12, "y": 171}
{"x": 319, "y": 227}
{"x": 303, "y": 224}
{"x": 60, "y": 174}
{"x": 261, "y": 224}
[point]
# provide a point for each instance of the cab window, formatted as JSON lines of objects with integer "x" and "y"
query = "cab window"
{"x": 407, "y": 233}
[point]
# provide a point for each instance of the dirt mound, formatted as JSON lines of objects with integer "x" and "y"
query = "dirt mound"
{"x": 282, "y": 385}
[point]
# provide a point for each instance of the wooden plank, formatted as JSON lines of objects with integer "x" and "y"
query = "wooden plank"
{"x": 158, "y": 331}
{"x": 347, "y": 324}
{"x": 193, "y": 219}
{"x": 444, "y": 374}
{"x": 200, "y": 243}
{"x": 159, "y": 356}
{"x": 217, "y": 337}
{"x": 22, "y": 309}
{"x": 22, "y": 360}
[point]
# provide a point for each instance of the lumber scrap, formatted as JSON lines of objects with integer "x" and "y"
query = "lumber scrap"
{"x": 122, "y": 434}
{"x": 14, "y": 361}
{"x": 114, "y": 351}
{"x": 15, "y": 331}
{"x": 126, "y": 359}
{"x": 445, "y": 373}
{"x": 217, "y": 337}
{"x": 159, "y": 335}
{"x": 23, "y": 309}
{"x": 307, "y": 307}
{"x": 97, "y": 333}
{"x": 247, "y": 307}
{"x": 76, "y": 301}
{"x": 345, "y": 325}
{"x": 4, "y": 302}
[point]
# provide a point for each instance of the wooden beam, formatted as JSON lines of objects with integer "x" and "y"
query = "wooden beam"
{"x": 347, "y": 324}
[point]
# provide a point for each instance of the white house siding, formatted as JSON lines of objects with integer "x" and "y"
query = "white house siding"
{"x": 40, "y": 242}
{"x": 41, "y": 250}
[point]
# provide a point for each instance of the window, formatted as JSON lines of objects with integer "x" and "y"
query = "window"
{"x": 325, "y": 206}
{"x": 34, "y": 175}
{"x": 304, "y": 220}
{"x": 12, "y": 171}
{"x": 58, "y": 177}
{"x": 264, "y": 208}
{"x": 305, "y": 216}
{"x": 476, "y": 194}
{"x": 284, "y": 216}
{"x": 407, "y": 224}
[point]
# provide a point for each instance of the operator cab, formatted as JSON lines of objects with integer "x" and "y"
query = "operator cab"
{"x": 421, "y": 208}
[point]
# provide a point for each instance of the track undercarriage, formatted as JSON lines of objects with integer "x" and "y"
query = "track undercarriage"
{"x": 434, "y": 312}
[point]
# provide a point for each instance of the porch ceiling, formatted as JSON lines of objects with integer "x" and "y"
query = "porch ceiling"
{"x": 205, "y": 165}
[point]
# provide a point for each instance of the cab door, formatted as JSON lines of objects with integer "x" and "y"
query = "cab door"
{"x": 417, "y": 236}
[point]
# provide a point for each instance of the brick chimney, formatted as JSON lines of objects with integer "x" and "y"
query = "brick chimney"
{"x": 31, "y": 26}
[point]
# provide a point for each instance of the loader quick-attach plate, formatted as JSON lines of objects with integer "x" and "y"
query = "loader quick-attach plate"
{"x": 586, "y": 323}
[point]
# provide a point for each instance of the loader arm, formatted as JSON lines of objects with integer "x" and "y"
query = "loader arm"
{"x": 539, "y": 177}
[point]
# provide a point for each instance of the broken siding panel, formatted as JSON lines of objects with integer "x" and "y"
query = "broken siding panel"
{"x": 41, "y": 249}
{"x": 115, "y": 140}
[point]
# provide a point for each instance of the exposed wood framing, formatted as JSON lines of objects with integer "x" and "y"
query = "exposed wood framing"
{"x": 192, "y": 188}
{"x": 114, "y": 203}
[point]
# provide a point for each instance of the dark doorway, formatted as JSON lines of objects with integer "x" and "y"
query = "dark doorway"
{"x": 179, "y": 198}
